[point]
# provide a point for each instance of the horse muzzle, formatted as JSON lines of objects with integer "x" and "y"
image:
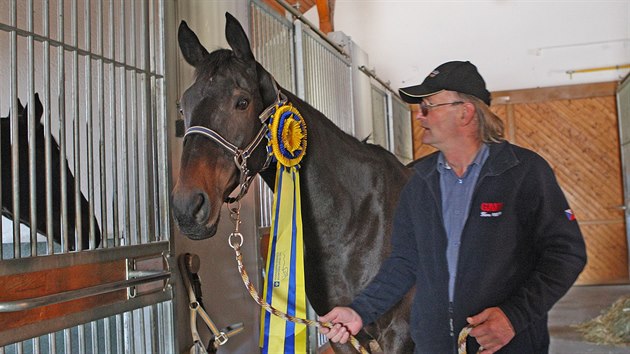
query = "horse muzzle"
{"x": 192, "y": 211}
{"x": 197, "y": 232}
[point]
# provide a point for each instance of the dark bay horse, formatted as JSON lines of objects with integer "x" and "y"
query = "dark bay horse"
{"x": 40, "y": 181}
{"x": 349, "y": 188}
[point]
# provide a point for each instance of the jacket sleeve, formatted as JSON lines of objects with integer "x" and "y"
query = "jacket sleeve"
{"x": 396, "y": 275}
{"x": 559, "y": 247}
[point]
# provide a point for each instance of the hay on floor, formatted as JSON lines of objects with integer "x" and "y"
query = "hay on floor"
{"x": 612, "y": 327}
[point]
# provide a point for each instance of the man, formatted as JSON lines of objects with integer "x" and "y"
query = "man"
{"x": 482, "y": 230}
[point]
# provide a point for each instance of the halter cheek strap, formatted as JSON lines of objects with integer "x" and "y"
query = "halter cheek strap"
{"x": 242, "y": 155}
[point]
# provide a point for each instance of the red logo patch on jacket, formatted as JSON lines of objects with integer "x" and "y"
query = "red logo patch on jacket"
{"x": 491, "y": 210}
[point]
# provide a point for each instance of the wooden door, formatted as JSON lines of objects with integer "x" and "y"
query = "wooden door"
{"x": 575, "y": 129}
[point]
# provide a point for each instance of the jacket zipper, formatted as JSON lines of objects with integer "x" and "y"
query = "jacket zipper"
{"x": 451, "y": 325}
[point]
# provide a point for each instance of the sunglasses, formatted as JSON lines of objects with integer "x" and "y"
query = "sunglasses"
{"x": 425, "y": 107}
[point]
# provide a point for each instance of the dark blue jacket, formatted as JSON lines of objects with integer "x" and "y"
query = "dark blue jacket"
{"x": 521, "y": 250}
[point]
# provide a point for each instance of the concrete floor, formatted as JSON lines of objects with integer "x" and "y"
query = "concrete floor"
{"x": 582, "y": 303}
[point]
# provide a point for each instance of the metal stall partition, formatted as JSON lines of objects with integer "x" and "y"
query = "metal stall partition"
{"x": 401, "y": 139}
{"x": 380, "y": 121}
{"x": 392, "y": 124}
{"x": 324, "y": 77}
{"x": 84, "y": 265}
{"x": 391, "y": 119}
{"x": 623, "y": 118}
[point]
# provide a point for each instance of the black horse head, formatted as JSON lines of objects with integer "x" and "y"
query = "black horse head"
{"x": 40, "y": 180}
{"x": 230, "y": 91}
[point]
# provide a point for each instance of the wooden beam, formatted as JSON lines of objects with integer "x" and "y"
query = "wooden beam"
{"x": 567, "y": 92}
{"x": 326, "y": 11}
{"x": 275, "y": 6}
{"x": 302, "y": 5}
{"x": 35, "y": 284}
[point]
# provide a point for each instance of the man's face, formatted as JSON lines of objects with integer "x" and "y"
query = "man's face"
{"x": 438, "y": 116}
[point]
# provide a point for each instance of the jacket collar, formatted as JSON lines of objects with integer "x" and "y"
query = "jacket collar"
{"x": 501, "y": 158}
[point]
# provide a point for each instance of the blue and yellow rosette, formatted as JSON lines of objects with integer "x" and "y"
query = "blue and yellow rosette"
{"x": 284, "y": 286}
{"x": 287, "y": 139}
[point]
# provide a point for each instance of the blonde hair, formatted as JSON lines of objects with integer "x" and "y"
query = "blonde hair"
{"x": 491, "y": 129}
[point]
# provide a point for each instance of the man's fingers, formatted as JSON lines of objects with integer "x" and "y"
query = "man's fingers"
{"x": 334, "y": 315}
{"x": 326, "y": 318}
{"x": 478, "y": 318}
{"x": 341, "y": 335}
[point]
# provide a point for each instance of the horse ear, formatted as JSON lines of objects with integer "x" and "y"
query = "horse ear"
{"x": 20, "y": 108}
{"x": 189, "y": 44}
{"x": 39, "y": 108}
{"x": 237, "y": 39}
{"x": 267, "y": 85}
{"x": 22, "y": 111}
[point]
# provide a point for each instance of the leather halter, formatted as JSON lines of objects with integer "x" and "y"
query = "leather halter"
{"x": 241, "y": 155}
{"x": 189, "y": 265}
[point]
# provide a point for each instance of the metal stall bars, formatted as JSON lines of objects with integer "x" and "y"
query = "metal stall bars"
{"x": 324, "y": 77}
{"x": 272, "y": 43}
{"x": 94, "y": 278}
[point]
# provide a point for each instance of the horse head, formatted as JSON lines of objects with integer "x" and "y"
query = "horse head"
{"x": 23, "y": 159}
{"x": 229, "y": 93}
{"x": 40, "y": 180}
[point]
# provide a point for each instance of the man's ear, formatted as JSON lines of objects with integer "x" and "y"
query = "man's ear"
{"x": 468, "y": 113}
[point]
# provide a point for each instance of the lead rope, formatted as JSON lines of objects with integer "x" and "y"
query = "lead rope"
{"x": 236, "y": 241}
{"x": 461, "y": 340}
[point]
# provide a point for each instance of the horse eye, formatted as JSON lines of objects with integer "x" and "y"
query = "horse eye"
{"x": 242, "y": 104}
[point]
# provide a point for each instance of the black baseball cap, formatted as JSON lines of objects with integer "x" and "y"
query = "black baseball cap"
{"x": 460, "y": 76}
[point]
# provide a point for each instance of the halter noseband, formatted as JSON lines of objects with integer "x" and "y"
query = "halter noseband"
{"x": 241, "y": 155}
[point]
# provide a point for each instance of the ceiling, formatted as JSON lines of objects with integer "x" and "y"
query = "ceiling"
{"x": 516, "y": 44}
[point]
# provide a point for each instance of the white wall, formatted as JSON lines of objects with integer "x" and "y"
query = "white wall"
{"x": 514, "y": 43}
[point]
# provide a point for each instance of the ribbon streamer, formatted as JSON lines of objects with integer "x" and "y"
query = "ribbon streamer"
{"x": 284, "y": 287}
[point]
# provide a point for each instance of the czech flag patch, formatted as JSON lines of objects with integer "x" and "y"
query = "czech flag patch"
{"x": 569, "y": 214}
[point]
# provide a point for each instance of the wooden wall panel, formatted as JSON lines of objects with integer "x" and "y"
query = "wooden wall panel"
{"x": 607, "y": 253}
{"x": 580, "y": 140}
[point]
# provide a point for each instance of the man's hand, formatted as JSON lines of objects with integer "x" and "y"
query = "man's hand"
{"x": 346, "y": 322}
{"x": 492, "y": 329}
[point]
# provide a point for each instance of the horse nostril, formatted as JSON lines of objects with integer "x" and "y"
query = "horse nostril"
{"x": 190, "y": 206}
{"x": 200, "y": 208}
